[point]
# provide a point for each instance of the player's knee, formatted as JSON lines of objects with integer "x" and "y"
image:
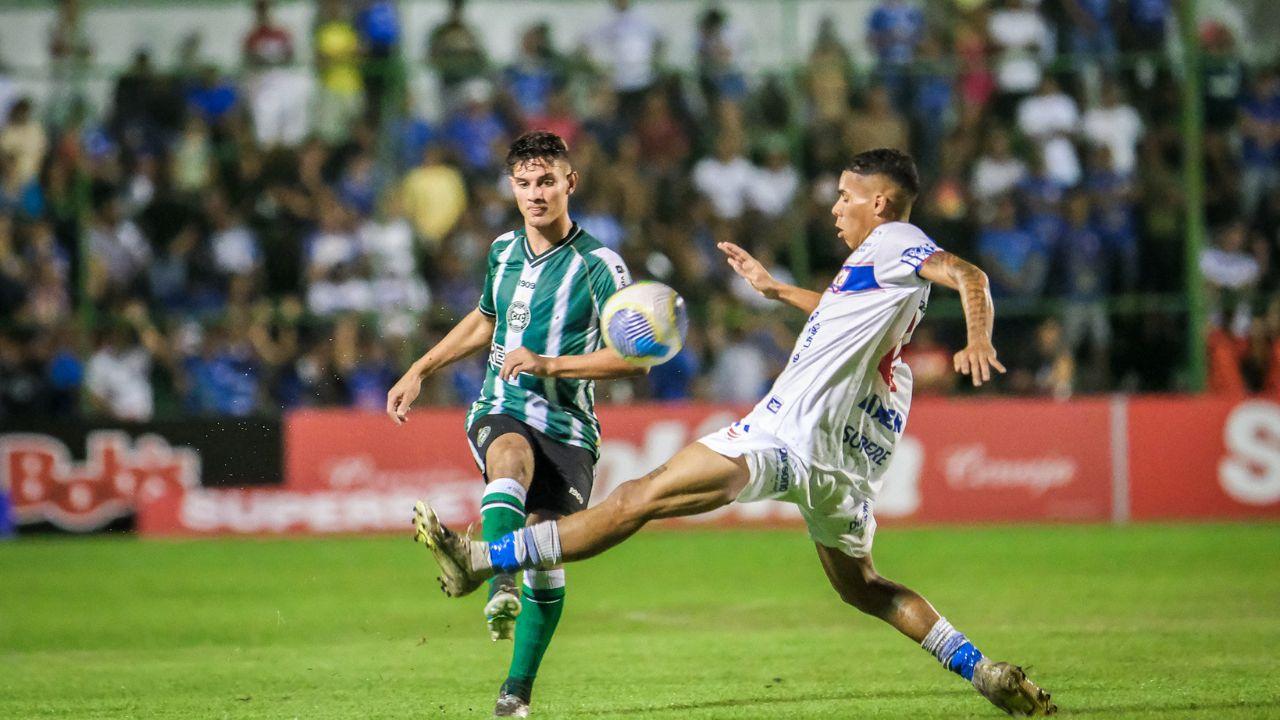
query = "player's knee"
{"x": 510, "y": 456}
{"x": 869, "y": 593}
{"x": 631, "y": 501}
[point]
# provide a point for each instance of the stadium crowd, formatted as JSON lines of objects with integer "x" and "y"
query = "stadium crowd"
{"x": 235, "y": 244}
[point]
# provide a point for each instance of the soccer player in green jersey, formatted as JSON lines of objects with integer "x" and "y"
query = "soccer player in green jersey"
{"x": 533, "y": 430}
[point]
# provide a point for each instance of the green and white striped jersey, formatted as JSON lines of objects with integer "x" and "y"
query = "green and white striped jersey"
{"x": 549, "y": 303}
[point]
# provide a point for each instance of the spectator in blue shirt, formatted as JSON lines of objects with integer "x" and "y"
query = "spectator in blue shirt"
{"x": 933, "y": 102}
{"x": 1260, "y": 132}
{"x": 1015, "y": 259}
{"x": 475, "y": 130}
{"x": 368, "y": 379}
{"x": 1114, "y": 195}
{"x": 1147, "y": 23}
{"x": 213, "y": 98}
{"x": 1093, "y": 35}
{"x": 379, "y": 28}
{"x": 1041, "y": 196}
{"x": 1085, "y": 267}
{"x": 534, "y": 74}
{"x": 894, "y": 30}
{"x": 224, "y": 379}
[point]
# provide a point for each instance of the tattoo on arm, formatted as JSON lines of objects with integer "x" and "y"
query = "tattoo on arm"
{"x": 975, "y": 298}
{"x": 974, "y": 288}
{"x": 656, "y": 472}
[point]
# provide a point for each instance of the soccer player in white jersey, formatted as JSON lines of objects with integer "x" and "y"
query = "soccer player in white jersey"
{"x": 821, "y": 438}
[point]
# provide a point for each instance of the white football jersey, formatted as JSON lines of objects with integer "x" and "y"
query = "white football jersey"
{"x": 842, "y": 401}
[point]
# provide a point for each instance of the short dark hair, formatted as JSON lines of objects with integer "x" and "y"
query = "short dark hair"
{"x": 893, "y": 164}
{"x": 536, "y": 145}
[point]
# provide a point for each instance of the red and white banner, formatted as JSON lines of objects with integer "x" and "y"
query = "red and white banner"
{"x": 1002, "y": 460}
{"x": 87, "y": 476}
{"x": 1197, "y": 458}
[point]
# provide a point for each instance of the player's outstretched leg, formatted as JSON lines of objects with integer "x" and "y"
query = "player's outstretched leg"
{"x": 1005, "y": 685}
{"x": 695, "y": 480}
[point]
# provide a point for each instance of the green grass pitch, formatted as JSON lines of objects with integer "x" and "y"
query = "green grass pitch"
{"x": 1143, "y": 622}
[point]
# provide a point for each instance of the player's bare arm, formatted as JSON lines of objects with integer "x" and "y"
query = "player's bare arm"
{"x": 979, "y": 356}
{"x": 603, "y": 364}
{"x": 763, "y": 282}
{"x": 472, "y": 334}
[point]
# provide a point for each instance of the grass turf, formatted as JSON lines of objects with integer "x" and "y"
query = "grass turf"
{"x": 1144, "y": 622}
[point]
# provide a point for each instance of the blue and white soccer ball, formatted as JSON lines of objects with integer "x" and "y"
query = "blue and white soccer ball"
{"x": 645, "y": 323}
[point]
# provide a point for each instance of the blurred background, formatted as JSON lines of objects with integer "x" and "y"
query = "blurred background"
{"x": 240, "y": 210}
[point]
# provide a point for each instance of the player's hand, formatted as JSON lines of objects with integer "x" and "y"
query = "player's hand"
{"x": 750, "y": 269}
{"x": 524, "y": 360}
{"x": 402, "y": 395}
{"x": 976, "y": 361}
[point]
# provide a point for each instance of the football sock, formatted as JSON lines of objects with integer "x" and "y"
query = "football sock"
{"x": 501, "y": 511}
{"x": 543, "y": 602}
{"x": 537, "y": 546}
{"x": 952, "y": 649}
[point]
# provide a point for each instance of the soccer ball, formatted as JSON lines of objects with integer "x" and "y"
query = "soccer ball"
{"x": 645, "y": 323}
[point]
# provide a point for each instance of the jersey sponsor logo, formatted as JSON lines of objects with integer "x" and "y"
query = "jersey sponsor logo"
{"x": 886, "y": 416}
{"x": 774, "y": 405}
{"x": 855, "y": 278}
{"x": 518, "y": 316}
{"x": 497, "y": 355}
{"x": 874, "y": 452}
{"x": 916, "y": 256}
{"x": 810, "y": 333}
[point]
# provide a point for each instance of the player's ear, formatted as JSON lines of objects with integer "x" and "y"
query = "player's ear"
{"x": 572, "y": 177}
{"x": 881, "y": 205}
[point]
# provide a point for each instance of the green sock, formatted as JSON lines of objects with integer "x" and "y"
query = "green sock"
{"x": 543, "y": 601}
{"x": 501, "y": 512}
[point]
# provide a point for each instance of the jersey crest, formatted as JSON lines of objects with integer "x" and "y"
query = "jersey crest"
{"x": 518, "y": 316}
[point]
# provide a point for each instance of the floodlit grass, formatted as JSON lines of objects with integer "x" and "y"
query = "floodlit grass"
{"x": 1149, "y": 622}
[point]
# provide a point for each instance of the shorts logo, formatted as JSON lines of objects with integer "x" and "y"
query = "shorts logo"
{"x": 483, "y": 435}
{"x": 734, "y": 433}
{"x": 518, "y": 316}
{"x": 774, "y": 404}
{"x": 857, "y": 524}
{"x": 783, "y": 482}
{"x": 576, "y": 495}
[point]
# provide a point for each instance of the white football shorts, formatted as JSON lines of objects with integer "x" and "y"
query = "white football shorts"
{"x": 837, "y": 513}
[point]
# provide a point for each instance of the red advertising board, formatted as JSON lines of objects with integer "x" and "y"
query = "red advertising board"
{"x": 357, "y": 472}
{"x": 88, "y": 476}
{"x": 1001, "y": 460}
{"x": 1203, "y": 458}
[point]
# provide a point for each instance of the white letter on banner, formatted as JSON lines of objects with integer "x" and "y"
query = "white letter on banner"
{"x": 1251, "y": 474}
